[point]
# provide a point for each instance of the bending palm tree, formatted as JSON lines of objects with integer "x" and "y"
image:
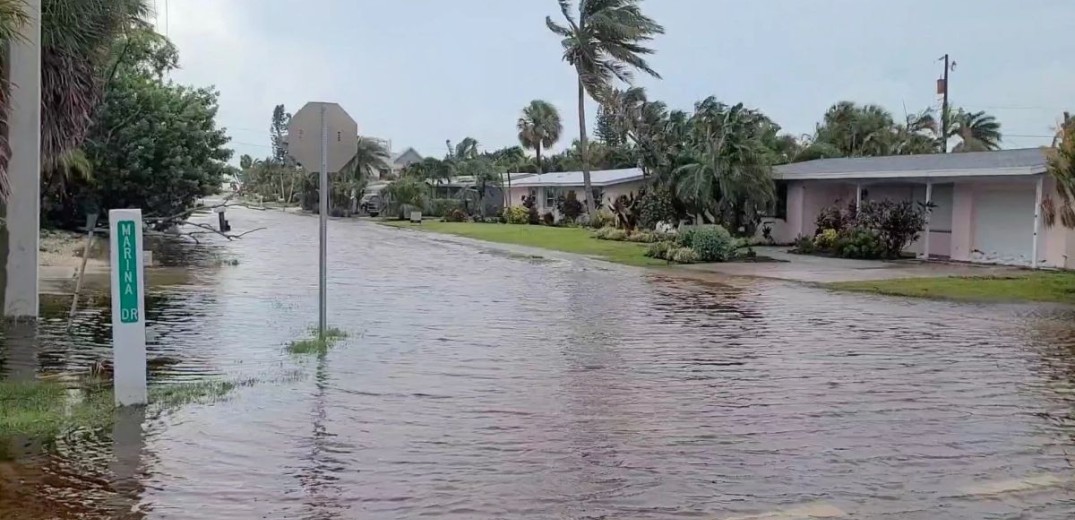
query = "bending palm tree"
{"x": 539, "y": 128}
{"x": 603, "y": 42}
{"x": 977, "y": 131}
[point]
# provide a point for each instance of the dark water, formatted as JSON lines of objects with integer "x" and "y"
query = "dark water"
{"x": 480, "y": 384}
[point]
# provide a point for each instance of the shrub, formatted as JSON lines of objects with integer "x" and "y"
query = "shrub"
{"x": 826, "y": 240}
{"x": 442, "y": 207}
{"x": 655, "y": 206}
{"x": 455, "y": 215}
{"x": 659, "y": 250}
{"x": 897, "y": 223}
{"x": 860, "y": 243}
{"x": 602, "y": 234}
{"x": 602, "y": 218}
{"x": 643, "y": 237}
{"x": 711, "y": 243}
{"x": 832, "y": 217}
{"x": 517, "y": 215}
{"x": 804, "y": 245}
{"x": 570, "y": 207}
{"x": 618, "y": 235}
{"x": 683, "y": 255}
{"x": 548, "y": 219}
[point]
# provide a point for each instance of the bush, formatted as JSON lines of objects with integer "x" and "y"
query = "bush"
{"x": 659, "y": 250}
{"x": 860, "y": 243}
{"x": 711, "y": 243}
{"x": 833, "y": 217}
{"x": 602, "y": 218}
{"x": 683, "y": 255}
{"x": 441, "y": 207}
{"x": 570, "y": 207}
{"x": 643, "y": 237}
{"x": 517, "y": 215}
{"x": 804, "y": 245}
{"x": 455, "y": 215}
{"x": 618, "y": 235}
{"x": 826, "y": 240}
{"x": 548, "y": 219}
{"x": 655, "y": 206}
{"x": 897, "y": 223}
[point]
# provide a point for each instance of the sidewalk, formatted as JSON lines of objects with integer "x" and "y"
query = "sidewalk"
{"x": 818, "y": 269}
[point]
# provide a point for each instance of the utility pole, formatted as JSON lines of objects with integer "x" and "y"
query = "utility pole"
{"x": 21, "y": 233}
{"x": 942, "y": 89}
{"x": 322, "y": 323}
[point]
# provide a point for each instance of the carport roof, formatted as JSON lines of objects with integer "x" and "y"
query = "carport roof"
{"x": 1027, "y": 161}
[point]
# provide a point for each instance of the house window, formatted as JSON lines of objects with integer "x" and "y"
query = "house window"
{"x": 779, "y": 207}
{"x": 550, "y": 197}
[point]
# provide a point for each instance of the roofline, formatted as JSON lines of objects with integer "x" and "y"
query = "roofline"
{"x": 532, "y": 182}
{"x": 920, "y": 174}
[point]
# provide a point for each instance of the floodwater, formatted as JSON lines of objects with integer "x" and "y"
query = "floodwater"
{"x": 480, "y": 383}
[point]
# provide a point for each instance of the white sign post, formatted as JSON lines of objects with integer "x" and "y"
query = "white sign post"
{"x": 128, "y": 307}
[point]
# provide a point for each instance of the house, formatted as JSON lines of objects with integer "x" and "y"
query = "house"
{"x": 987, "y": 206}
{"x": 547, "y": 188}
{"x": 401, "y": 160}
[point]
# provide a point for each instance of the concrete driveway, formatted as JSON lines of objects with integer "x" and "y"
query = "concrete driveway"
{"x": 818, "y": 269}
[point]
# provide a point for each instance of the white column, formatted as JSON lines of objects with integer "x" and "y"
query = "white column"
{"x": 929, "y": 216}
{"x": 1037, "y": 221}
{"x": 24, "y": 170}
{"x": 858, "y": 197}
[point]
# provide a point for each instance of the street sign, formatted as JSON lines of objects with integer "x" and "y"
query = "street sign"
{"x": 128, "y": 306}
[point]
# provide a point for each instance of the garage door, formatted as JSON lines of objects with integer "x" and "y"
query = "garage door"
{"x": 1003, "y": 226}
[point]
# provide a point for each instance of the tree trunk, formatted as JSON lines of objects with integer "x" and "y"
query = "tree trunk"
{"x": 584, "y": 147}
{"x": 540, "y": 168}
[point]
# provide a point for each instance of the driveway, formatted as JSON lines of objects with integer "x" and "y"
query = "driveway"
{"x": 818, "y": 269}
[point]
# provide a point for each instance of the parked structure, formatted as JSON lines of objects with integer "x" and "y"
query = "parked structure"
{"x": 547, "y": 188}
{"x": 986, "y": 205}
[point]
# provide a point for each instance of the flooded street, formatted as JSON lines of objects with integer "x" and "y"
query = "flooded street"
{"x": 478, "y": 384}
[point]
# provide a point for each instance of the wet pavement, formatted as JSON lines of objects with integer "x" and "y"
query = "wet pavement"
{"x": 480, "y": 383}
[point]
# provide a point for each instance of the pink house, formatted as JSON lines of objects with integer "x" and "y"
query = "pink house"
{"x": 987, "y": 205}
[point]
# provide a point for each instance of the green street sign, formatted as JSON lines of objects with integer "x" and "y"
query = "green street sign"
{"x": 128, "y": 272}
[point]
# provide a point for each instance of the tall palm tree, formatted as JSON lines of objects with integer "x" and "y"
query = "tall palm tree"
{"x": 604, "y": 40}
{"x": 539, "y": 127}
{"x": 857, "y": 131}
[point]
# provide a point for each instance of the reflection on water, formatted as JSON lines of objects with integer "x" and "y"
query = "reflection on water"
{"x": 502, "y": 386}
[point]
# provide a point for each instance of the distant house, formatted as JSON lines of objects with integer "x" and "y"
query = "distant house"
{"x": 404, "y": 159}
{"x": 987, "y": 205}
{"x": 547, "y": 188}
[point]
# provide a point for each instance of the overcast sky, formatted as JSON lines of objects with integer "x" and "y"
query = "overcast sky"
{"x": 422, "y": 71}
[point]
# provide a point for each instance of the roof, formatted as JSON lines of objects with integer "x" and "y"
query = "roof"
{"x": 1027, "y": 161}
{"x": 597, "y": 178}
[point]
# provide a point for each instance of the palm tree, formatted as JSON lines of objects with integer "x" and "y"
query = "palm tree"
{"x": 729, "y": 175}
{"x": 857, "y": 131}
{"x": 604, "y": 41}
{"x": 539, "y": 127}
{"x": 1061, "y": 167}
{"x": 977, "y": 131}
{"x": 75, "y": 37}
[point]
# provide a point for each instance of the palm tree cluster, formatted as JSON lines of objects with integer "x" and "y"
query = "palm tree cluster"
{"x": 852, "y": 130}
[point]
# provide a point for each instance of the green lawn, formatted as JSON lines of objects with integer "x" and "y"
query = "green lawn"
{"x": 570, "y": 240}
{"x": 1033, "y": 287}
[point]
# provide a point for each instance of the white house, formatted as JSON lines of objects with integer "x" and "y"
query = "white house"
{"x": 547, "y": 188}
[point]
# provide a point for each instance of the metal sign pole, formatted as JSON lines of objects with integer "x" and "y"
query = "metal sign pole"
{"x": 323, "y": 213}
